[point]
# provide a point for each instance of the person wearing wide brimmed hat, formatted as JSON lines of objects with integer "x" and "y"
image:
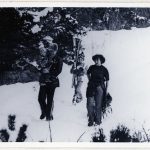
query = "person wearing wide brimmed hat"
{"x": 98, "y": 82}
{"x": 51, "y": 67}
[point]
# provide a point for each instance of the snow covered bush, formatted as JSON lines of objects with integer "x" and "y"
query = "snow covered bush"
{"x": 137, "y": 137}
{"x": 5, "y": 134}
{"x": 22, "y": 134}
{"x": 141, "y": 136}
{"x": 120, "y": 134}
{"x": 106, "y": 105}
{"x": 11, "y": 122}
{"x": 99, "y": 136}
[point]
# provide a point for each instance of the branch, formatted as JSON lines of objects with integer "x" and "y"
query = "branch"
{"x": 145, "y": 134}
{"x": 81, "y": 136}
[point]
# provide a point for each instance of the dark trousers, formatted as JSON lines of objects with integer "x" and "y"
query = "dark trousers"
{"x": 94, "y": 106}
{"x": 45, "y": 98}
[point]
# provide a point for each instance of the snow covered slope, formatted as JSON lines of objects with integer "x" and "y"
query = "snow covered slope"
{"x": 127, "y": 54}
{"x": 22, "y": 100}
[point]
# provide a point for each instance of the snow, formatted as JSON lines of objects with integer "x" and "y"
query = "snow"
{"x": 127, "y": 59}
{"x": 34, "y": 63}
{"x": 37, "y": 15}
{"x": 42, "y": 13}
{"x": 140, "y": 17}
{"x": 22, "y": 100}
{"x": 68, "y": 16}
{"x": 35, "y": 29}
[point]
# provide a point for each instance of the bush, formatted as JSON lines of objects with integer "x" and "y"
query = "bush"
{"x": 4, "y": 135}
{"x": 99, "y": 136}
{"x": 11, "y": 122}
{"x": 121, "y": 134}
{"x": 106, "y": 105}
{"x": 22, "y": 134}
{"x": 137, "y": 137}
{"x": 11, "y": 77}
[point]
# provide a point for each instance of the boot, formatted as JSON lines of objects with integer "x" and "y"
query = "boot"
{"x": 42, "y": 116}
{"x": 90, "y": 124}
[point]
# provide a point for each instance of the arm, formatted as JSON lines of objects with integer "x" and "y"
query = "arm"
{"x": 57, "y": 68}
{"x": 89, "y": 73}
{"x": 107, "y": 79}
{"x": 107, "y": 82}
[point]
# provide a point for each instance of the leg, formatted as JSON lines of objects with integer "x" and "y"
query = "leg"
{"x": 98, "y": 99}
{"x": 51, "y": 113}
{"x": 90, "y": 109}
{"x": 42, "y": 101}
{"x": 79, "y": 93}
{"x": 50, "y": 95}
{"x": 74, "y": 96}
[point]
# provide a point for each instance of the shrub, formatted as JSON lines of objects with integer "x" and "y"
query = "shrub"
{"x": 106, "y": 105}
{"x": 137, "y": 137}
{"x": 4, "y": 135}
{"x": 11, "y": 122}
{"x": 22, "y": 134}
{"x": 121, "y": 134}
{"x": 99, "y": 136}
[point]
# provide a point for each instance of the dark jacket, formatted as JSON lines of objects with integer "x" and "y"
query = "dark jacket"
{"x": 51, "y": 78}
{"x": 98, "y": 75}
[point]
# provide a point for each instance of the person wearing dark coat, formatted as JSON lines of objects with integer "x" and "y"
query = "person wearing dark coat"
{"x": 98, "y": 82}
{"x": 48, "y": 83}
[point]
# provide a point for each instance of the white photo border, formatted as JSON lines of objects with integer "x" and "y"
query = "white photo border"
{"x": 73, "y": 145}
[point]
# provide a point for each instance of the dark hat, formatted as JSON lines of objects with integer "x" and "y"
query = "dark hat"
{"x": 97, "y": 56}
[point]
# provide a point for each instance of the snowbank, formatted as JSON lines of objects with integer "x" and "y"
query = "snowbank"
{"x": 127, "y": 54}
{"x": 127, "y": 59}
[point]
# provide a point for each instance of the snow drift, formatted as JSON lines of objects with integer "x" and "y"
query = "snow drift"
{"x": 127, "y": 59}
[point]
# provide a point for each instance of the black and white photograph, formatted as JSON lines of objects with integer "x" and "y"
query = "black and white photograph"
{"x": 75, "y": 74}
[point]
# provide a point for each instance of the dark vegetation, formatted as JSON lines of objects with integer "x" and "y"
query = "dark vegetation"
{"x": 19, "y": 44}
{"x": 5, "y": 134}
{"x": 122, "y": 134}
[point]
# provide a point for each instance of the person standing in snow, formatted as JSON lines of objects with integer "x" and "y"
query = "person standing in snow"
{"x": 97, "y": 88}
{"x": 51, "y": 67}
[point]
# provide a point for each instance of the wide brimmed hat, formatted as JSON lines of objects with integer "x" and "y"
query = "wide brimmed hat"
{"x": 98, "y": 56}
